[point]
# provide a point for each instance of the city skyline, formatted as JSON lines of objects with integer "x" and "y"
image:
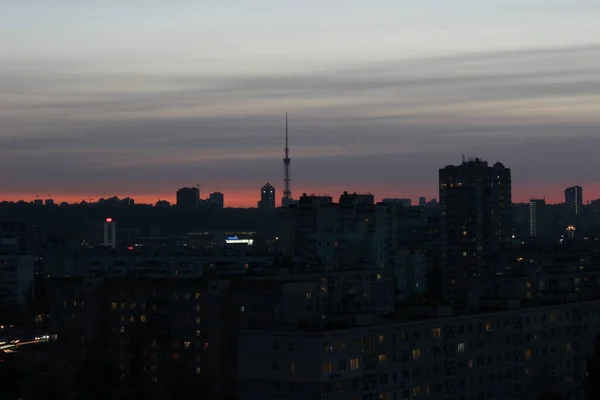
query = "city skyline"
{"x": 380, "y": 98}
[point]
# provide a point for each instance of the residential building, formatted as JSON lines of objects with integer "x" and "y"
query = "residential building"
{"x": 188, "y": 198}
{"x": 267, "y": 197}
{"x": 574, "y": 199}
{"x": 537, "y": 217}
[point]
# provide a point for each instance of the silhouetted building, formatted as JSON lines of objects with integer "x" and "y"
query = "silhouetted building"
{"x": 574, "y": 199}
{"x": 537, "y": 214}
{"x": 475, "y": 215}
{"x": 216, "y": 200}
{"x": 163, "y": 204}
{"x": 422, "y": 201}
{"x": 110, "y": 233}
{"x": 267, "y": 197}
{"x": 188, "y": 198}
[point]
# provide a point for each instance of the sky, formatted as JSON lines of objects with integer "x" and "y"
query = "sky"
{"x": 138, "y": 98}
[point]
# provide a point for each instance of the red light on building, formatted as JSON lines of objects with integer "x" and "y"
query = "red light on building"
{"x": 108, "y": 219}
{"x": 130, "y": 248}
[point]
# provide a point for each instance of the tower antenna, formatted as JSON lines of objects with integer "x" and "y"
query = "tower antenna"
{"x": 287, "y": 191}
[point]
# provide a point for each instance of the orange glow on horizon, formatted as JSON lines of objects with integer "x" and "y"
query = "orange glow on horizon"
{"x": 250, "y": 197}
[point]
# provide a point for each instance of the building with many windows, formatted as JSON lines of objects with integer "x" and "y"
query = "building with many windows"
{"x": 514, "y": 354}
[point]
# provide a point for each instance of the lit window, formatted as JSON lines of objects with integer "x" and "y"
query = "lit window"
{"x": 379, "y": 276}
{"x": 327, "y": 347}
{"x": 187, "y": 345}
{"x": 242, "y": 309}
{"x": 354, "y": 363}
{"x": 382, "y": 359}
{"x": 114, "y": 305}
{"x": 327, "y": 368}
{"x": 292, "y": 367}
{"x": 197, "y": 320}
{"x": 198, "y": 332}
{"x": 197, "y": 295}
{"x": 197, "y": 370}
{"x": 381, "y": 339}
{"x": 122, "y": 305}
{"x": 436, "y": 332}
{"x": 143, "y": 318}
{"x": 488, "y": 326}
{"x": 528, "y": 353}
{"x": 187, "y": 296}
{"x": 460, "y": 348}
{"x": 206, "y": 346}
{"x": 308, "y": 295}
{"x": 122, "y": 329}
{"x": 464, "y": 253}
{"x": 416, "y": 353}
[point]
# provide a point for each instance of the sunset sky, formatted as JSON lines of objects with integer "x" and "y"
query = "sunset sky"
{"x": 139, "y": 98}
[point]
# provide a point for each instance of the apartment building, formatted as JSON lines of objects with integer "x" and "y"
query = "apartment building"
{"x": 502, "y": 355}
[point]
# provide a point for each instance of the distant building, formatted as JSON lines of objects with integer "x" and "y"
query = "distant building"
{"x": 110, "y": 233}
{"x": 475, "y": 221}
{"x": 162, "y": 204}
{"x": 267, "y": 197}
{"x": 188, "y": 198}
{"x": 403, "y": 202}
{"x": 537, "y": 212}
{"x": 216, "y": 200}
{"x": 422, "y": 201}
{"x": 574, "y": 199}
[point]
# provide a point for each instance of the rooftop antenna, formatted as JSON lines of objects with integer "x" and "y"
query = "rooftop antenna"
{"x": 287, "y": 191}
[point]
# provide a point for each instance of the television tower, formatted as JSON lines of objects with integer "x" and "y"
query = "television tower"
{"x": 287, "y": 191}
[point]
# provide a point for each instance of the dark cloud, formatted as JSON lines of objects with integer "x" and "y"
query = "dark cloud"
{"x": 384, "y": 124}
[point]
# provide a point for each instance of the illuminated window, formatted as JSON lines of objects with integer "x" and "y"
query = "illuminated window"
{"x": 197, "y": 308}
{"x": 292, "y": 367}
{"x": 143, "y": 318}
{"x": 187, "y": 295}
{"x": 488, "y": 326}
{"x": 242, "y": 308}
{"x": 131, "y": 318}
{"x": 122, "y": 305}
{"x": 528, "y": 353}
{"x": 308, "y": 295}
{"x": 528, "y": 284}
{"x": 187, "y": 345}
{"x": 381, "y": 339}
{"x": 198, "y": 332}
{"x": 327, "y": 368}
{"x": 122, "y": 329}
{"x": 379, "y": 276}
{"x": 197, "y": 295}
{"x": 416, "y": 353}
{"x": 327, "y": 348}
{"x": 436, "y": 332}
{"x": 206, "y": 346}
{"x": 354, "y": 363}
{"x": 197, "y": 370}
{"x": 114, "y": 305}
{"x": 382, "y": 359}
{"x": 460, "y": 348}
{"x": 197, "y": 320}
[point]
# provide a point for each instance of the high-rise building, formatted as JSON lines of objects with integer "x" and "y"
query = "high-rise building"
{"x": 574, "y": 199}
{"x": 188, "y": 198}
{"x": 475, "y": 216}
{"x": 216, "y": 200}
{"x": 110, "y": 233}
{"x": 422, "y": 201}
{"x": 537, "y": 213}
{"x": 267, "y": 197}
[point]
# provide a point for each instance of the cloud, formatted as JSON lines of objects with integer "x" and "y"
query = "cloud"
{"x": 390, "y": 123}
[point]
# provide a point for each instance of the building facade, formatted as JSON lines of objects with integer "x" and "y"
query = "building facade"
{"x": 574, "y": 199}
